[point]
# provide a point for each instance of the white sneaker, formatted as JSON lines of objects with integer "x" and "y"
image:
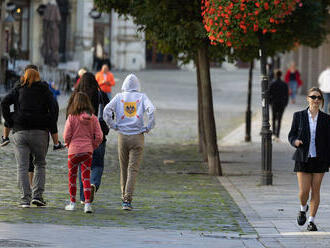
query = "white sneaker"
{"x": 88, "y": 208}
{"x": 71, "y": 206}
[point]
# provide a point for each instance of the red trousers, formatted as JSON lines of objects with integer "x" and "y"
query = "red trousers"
{"x": 85, "y": 162}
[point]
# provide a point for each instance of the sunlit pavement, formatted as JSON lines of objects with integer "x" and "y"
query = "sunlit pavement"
{"x": 177, "y": 204}
{"x": 272, "y": 210}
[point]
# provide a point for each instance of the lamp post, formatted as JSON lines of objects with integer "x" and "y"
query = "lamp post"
{"x": 266, "y": 134}
{"x": 248, "y": 112}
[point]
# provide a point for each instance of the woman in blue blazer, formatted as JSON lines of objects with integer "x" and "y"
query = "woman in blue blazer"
{"x": 309, "y": 134}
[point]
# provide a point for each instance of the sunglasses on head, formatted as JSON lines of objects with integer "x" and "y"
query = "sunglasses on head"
{"x": 315, "y": 97}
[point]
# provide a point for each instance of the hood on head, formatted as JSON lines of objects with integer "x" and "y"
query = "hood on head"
{"x": 131, "y": 83}
{"x": 85, "y": 118}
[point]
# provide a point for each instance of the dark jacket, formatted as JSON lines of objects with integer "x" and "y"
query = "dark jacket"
{"x": 34, "y": 108}
{"x": 279, "y": 93}
{"x": 96, "y": 99}
{"x": 300, "y": 130}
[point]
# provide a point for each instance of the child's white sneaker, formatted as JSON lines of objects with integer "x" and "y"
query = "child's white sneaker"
{"x": 88, "y": 208}
{"x": 71, "y": 206}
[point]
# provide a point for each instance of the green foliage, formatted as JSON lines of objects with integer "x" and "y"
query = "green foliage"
{"x": 176, "y": 25}
{"x": 234, "y": 23}
{"x": 305, "y": 26}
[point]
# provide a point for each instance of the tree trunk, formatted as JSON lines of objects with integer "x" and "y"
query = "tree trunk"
{"x": 201, "y": 129}
{"x": 248, "y": 112}
{"x": 208, "y": 114}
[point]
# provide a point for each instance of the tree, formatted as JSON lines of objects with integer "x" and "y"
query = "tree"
{"x": 243, "y": 23}
{"x": 177, "y": 26}
{"x": 266, "y": 27}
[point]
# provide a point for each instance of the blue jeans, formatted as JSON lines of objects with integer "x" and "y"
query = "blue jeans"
{"x": 293, "y": 85}
{"x": 326, "y": 102}
{"x": 97, "y": 169}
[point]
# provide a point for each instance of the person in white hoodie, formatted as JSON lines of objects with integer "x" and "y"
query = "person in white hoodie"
{"x": 324, "y": 83}
{"x": 125, "y": 114}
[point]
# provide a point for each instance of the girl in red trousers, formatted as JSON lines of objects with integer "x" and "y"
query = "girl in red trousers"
{"x": 82, "y": 134}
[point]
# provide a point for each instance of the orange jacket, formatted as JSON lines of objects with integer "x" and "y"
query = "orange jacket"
{"x": 105, "y": 83}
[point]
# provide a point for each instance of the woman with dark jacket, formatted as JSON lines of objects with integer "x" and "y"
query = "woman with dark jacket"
{"x": 279, "y": 97}
{"x": 33, "y": 118}
{"x": 310, "y": 135}
{"x": 89, "y": 85}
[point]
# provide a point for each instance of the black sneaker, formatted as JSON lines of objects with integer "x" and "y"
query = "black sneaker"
{"x": 311, "y": 227}
{"x": 24, "y": 204}
{"x": 58, "y": 146}
{"x": 301, "y": 218}
{"x": 39, "y": 202}
{"x": 4, "y": 141}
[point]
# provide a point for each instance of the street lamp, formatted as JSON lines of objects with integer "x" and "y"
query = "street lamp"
{"x": 94, "y": 13}
{"x": 266, "y": 134}
{"x": 10, "y": 7}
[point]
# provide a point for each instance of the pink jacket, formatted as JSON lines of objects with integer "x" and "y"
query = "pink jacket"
{"x": 82, "y": 133}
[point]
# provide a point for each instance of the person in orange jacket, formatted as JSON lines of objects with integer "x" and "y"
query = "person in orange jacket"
{"x": 105, "y": 80}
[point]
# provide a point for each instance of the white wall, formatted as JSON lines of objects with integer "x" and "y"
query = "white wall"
{"x": 128, "y": 47}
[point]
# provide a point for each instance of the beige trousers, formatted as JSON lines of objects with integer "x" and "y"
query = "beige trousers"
{"x": 130, "y": 152}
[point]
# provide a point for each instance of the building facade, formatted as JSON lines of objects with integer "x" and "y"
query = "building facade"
{"x": 310, "y": 63}
{"x": 86, "y": 38}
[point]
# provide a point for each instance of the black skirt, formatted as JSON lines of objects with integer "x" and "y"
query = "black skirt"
{"x": 313, "y": 165}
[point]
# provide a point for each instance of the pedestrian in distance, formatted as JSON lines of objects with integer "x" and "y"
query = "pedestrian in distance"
{"x": 310, "y": 136}
{"x": 324, "y": 83}
{"x": 98, "y": 99}
{"x": 81, "y": 72}
{"x": 82, "y": 134}
{"x": 292, "y": 78}
{"x": 279, "y": 97}
{"x": 34, "y": 116}
{"x": 105, "y": 80}
{"x": 125, "y": 114}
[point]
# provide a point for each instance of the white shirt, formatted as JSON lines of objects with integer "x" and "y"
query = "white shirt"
{"x": 312, "y": 130}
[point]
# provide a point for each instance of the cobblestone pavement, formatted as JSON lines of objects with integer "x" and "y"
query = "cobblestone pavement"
{"x": 272, "y": 210}
{"x": 176, "y": 203}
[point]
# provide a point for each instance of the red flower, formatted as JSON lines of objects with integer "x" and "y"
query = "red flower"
{"x": 255, "y": 27}
{"x": 266, "y": 6}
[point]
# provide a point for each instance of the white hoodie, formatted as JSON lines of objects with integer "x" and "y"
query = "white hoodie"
{"x": 324, "y": 81}
{"x": 128, "y": 108}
